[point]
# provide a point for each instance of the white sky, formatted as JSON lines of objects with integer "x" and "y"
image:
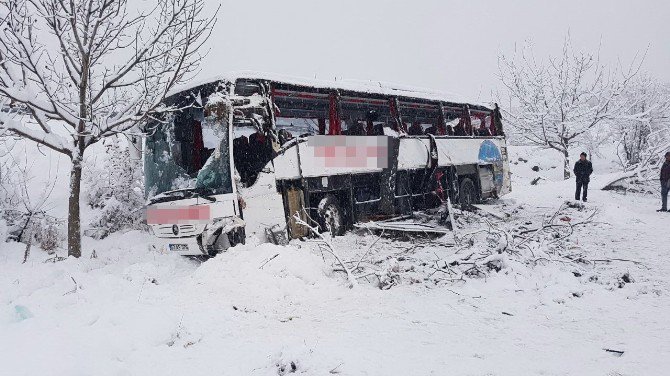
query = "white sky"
{"x": 445, "y": 45}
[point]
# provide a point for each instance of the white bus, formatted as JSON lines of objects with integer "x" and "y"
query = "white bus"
{"x": 242, "y": 154}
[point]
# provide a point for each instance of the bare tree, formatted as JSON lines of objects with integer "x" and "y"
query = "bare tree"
{"x": 644, "y": 130}
{"x": 643, "y": 134}
{"x": 88, "y": 69}
{"x": 560, "y": 100}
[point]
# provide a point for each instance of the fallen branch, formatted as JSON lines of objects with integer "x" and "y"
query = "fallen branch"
{"x": 76, "y": 286}
{"x": 268, "y": 260}
{"x": 327, "y": 245}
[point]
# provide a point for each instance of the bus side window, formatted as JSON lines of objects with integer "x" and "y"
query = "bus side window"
{"x": 415, "y": 129}
{"x": 300, "y": 113}
{"x": 364, "y": 116}
{"x": 482, "y": 130}
{"x": 424, "y": 117}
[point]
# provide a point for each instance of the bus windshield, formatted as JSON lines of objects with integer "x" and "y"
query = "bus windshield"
{"x": 188, "y": 152}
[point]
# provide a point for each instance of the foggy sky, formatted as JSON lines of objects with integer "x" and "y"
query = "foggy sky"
{"x": 444, "y": 45}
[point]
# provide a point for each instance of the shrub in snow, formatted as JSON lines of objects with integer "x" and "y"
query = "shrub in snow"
{"x": 114, "y": 189}
{"x": 48, "y": 232}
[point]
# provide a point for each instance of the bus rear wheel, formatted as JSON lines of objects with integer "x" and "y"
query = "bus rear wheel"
{"x": 467, "y": 193}
{"x": 331, "y": 216}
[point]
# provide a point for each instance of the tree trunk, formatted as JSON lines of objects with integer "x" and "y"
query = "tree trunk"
{"x": 73, "y": 218}
{"x": 566, "y": 165}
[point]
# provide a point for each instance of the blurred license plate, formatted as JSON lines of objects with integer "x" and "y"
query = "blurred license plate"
{"x": 178, "y": 247}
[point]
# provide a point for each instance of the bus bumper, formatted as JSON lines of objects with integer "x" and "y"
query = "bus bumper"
{"x": 179, "y": 246}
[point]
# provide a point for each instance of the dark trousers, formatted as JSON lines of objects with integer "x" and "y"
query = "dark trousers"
{"x": 583, "y": 187}
{"x": 664, "y": 196}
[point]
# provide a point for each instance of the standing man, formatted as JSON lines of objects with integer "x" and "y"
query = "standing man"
{"x": 582, "y": 170}
{"x": 665, "y": 183}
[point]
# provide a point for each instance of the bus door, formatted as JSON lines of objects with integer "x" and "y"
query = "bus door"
{"x": 263, "y": 210}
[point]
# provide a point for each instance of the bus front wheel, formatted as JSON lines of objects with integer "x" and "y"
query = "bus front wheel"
{"x": 467, "y": 193}
{"x": 331, "y": 216}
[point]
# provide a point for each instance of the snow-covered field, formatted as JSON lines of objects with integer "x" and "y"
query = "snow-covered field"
{"x": 268, "y": 310}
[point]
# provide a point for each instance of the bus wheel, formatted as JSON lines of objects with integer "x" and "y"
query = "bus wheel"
{"x": 331, "y": 216}
{"x": 467, "y": 194}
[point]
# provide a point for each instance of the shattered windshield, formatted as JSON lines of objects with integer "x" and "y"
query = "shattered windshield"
{"x": 187, "y": 152}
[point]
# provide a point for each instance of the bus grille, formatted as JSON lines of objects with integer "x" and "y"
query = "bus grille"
{"x": 184, "y": 231}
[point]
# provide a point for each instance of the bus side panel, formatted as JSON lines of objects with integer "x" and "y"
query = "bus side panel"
{"x": 458, "y": 151}
{"x": 414, "y": 153}
{"x": 477, "y": 151}
{"x": 287, "y": 164}
{"x": 317, "y": 159}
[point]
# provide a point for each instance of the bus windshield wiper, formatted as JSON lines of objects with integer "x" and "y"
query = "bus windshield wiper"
{"x": 203, "y": 193}
{"x": 182, "y": 194}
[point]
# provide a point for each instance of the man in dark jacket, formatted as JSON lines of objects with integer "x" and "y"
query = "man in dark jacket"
{"x": 665, "y": 183}
{"x": 582, "y": 170}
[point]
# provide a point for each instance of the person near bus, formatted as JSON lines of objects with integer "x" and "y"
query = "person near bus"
{"x": 483, "y": 130}
{"x": 496, "y": 123}
{"x": 260, "y": 150}
{"x": 356, "y": 128}
{"x": 415, "y": 129}
{"x": 583, "y": 170}
{"x": 242, "y": 157}
{"x": 432, "y": 130}
{"x": 459, "y": 130}
{"x": 665, "y": 183}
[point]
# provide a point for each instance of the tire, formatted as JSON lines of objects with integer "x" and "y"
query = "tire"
{"x": 467, "y": 193}
{"x": 331, "y": 216}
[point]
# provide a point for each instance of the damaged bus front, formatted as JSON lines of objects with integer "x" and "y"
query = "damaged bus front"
{"x": 192, "y": 195}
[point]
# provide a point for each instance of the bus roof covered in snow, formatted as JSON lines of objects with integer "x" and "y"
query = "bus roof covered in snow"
{"x": 370, "y": 87}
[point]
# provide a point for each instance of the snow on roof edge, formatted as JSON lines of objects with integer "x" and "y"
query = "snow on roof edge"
{"x": 376, "y": 87}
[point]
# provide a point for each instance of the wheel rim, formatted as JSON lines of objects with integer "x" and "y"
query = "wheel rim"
{"x": 330, "y": 216}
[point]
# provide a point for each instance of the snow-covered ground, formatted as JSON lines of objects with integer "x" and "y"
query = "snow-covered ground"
{"x": 268, "y": 310}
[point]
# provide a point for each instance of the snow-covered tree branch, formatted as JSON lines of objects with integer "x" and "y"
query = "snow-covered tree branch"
{"x": 563, "y": 100}
{"x": 644, "y": 130}
{"x": 88, "y": 69}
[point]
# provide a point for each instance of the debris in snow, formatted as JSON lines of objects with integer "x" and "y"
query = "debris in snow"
{"x": 624, "y": 279}
{"x": 55, "y": 259}
{"x": 268, "y": 260}
{"x": 286, "y": 368}
{"x": 74, "y": 289}
{"x": 245, "y": 310}
{"x": 536, "y": 180}
{"x": 335, "y": 370}
{"x": 22, "y": 313}
{"x": 616, "y": 353}
{"x": 484, "y": 245}
{"x": 574, "y": 204}
{"x": 491, "y": 210}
